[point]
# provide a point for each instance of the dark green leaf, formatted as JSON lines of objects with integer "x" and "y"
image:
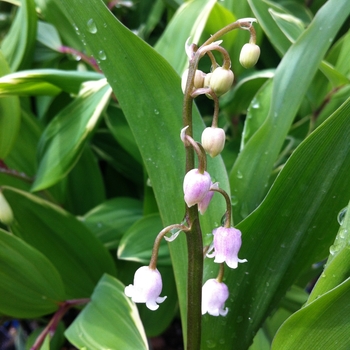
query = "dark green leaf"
{"x": 250, "y": 173}
{"x": 110, "y": 220}
{"x": 137, "y": 242}
{"x": 291, "y": 229}
{"x": 18, "y": 44}
{"x": 10, "y": 116}
{"x": 30, "y": 285}
{"x": 76, "y": 253}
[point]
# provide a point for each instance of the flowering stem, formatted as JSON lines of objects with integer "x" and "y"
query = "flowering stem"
{"x": 198, "y": 148}
{"x": 228, "y": 213}
{"x": 160, "y": 236}
{"x": 221, "y": 273}
{"x": 52, "y": 325}
{"x": 194, "y": 236}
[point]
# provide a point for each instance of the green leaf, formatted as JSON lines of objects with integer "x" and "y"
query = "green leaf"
{"x": 75, "y": 252}
{"x": 188, "y": 22}
{"x": 137, "y": 243}
{"x": 323, "y": 324}
{"x": 84, "y": 184}
{"x": 10, "y": 116}
{"x": 63, "y": 141}
{"x": 275, "y": 35}
{"x": 291, "y": 229}
{"x": 48, "y": 36}
{"x": 109, "y": 321}
{"x": 110, "y": 220}
{"x": 18, "y": 44}
{"x": 250, "y": 173}
{"x": 30, "y": 285}
{"x": 291, "y": 26}
{"x": 45, "y": 82}
{"x": 154, "y": 115}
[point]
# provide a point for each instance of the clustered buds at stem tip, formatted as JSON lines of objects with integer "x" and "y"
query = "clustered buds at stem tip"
{"x": 146, "y": 288}
{"x": 221, "y": 80}
{"x": 196, "y": 186}
{"x": 213, "y": 140}
{"x": 198, "y": 81}
{"x": 249, "y": 55}
{"x": 227, "y": 243}
{"x": 214, "y": 295}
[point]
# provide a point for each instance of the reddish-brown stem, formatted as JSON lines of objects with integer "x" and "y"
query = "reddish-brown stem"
{"x": 56, "y": 318}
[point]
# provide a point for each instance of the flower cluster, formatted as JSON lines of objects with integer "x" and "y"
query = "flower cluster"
{"x": 198, "y": 187}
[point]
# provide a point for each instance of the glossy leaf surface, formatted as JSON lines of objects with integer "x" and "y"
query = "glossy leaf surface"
{"x": 30, "y": 284}
{"x": 62, "y": 142}
{"x": 280, "y": 236}
{"x": 109, "y": 321}
{"x": 75, "y": 252}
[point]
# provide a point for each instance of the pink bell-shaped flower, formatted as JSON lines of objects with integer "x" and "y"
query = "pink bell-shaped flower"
{"x": 196, "y": 186}
{"x": 226, "y": 245}
{"x": 214, "y": 295}
{"x": 146, "y": 288}
{"x": 204, "y": 203}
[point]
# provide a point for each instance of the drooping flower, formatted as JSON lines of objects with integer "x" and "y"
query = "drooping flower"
{"x": 249, "y": 55}
{"x": 214, "y": 295}
{"x": 213, "y": 140}
{"x": 146, "y": 288}
{"x": 196, "y": 186}
{"x": 226, "y": 245}
{"x": 221, "y": 80}
{"x": 204, "y": 203}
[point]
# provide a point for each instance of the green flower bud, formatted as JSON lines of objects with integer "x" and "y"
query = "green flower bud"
{"x": 6, "y": 214}
{"x": 198, "y": 81}
{"x": 213, "y": 140}
{"x": 249, "y": 55}
{"x": 221, "y": 80}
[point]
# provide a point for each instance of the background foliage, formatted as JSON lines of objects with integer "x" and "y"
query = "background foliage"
{"x": 91, "y": 168}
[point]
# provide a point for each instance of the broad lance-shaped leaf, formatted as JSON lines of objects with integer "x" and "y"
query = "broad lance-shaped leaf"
{"x": 10, "y": 116}
{"x": 189, "y": 22}
{"x": 18, "y": 45}
{"x": 149, "y": 92}
{"x": 75, "y": 252}
{"x": 291, "y": 229}
{"x": 109, "y": 321}
{"x": 253, "y": 166}
{"x": 30, "y": 285}
{"x": 45, "y": 82}
{"x": 323, "y": 322}
{"x": 63, "y": 140}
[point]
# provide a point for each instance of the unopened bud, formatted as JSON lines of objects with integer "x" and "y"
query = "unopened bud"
{"x": 6, "y": 214}
{"x": 198, "y": 81}
{"x": 249, "y": 55}
{"x": 221, "y": 80}
{"x": 213, "y": 140}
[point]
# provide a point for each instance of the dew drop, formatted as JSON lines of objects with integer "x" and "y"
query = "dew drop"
{"x": 156, "y": 111}
{"x": 341, "y": 215}
{"x": 332, "y": 249}
{"x": 91, "y": 26}
{"x": 234, "y": 200}
{"x": 239, "y": 175}
{"x": 102, "y": 55}
{"x": 211, "y": 344}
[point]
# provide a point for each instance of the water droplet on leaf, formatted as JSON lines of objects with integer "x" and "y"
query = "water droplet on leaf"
{"x": 91, "y": 26}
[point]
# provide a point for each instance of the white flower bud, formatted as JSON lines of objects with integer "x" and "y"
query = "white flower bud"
{"x": 249, "y": 55}
{"x": 213, "y": 140}
{"x": 6, "y": 214}
{"x": 197, "y": 82}
{"x": 221, "y": 80}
